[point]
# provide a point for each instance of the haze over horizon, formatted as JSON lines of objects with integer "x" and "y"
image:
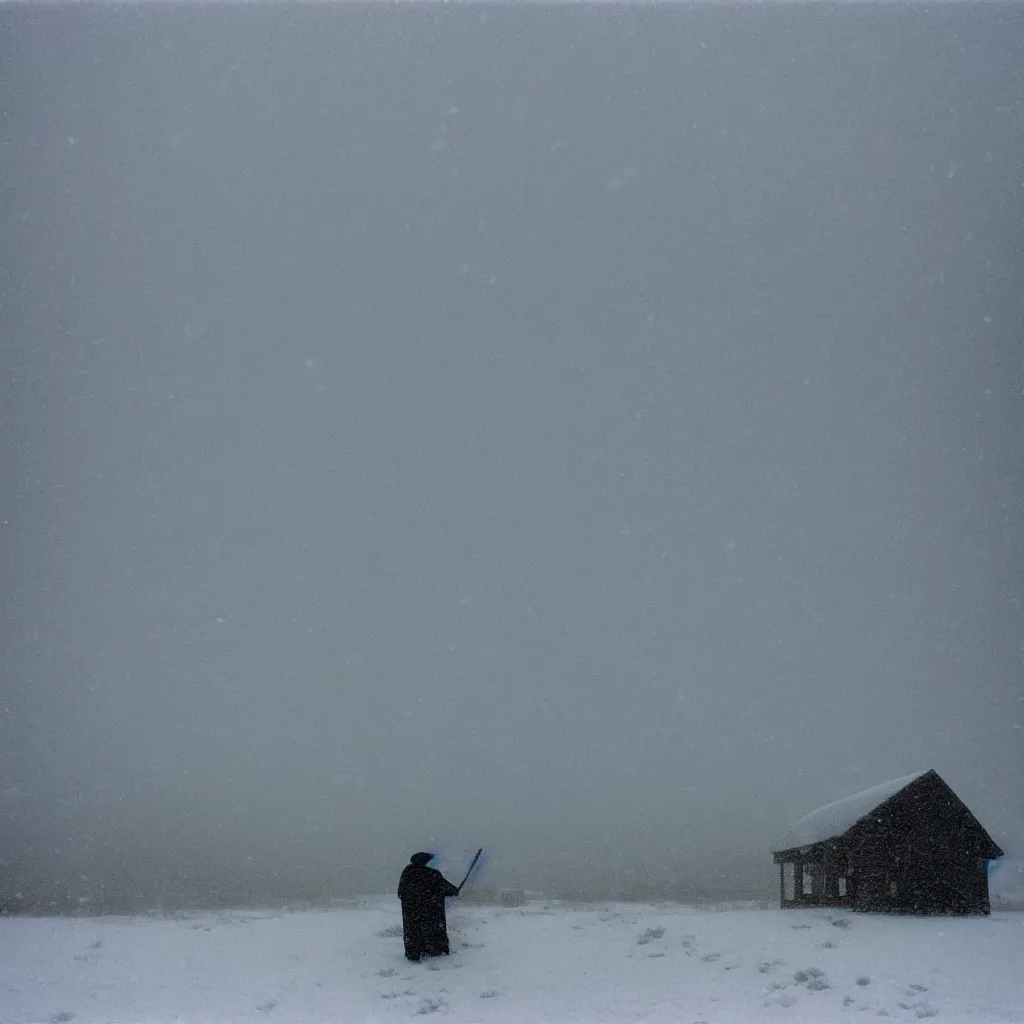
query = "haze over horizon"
{"x": 593, "y": 433}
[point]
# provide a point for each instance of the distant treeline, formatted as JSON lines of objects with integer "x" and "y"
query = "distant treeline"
{"x": 178, "y": 892}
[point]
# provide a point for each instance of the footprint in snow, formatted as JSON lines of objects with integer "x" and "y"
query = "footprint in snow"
{"x": 813, "y": 978}
{"x": 61, "y": 1018}
{"x": 431, "y": 1004}
{"x": 490, "y": 993}
{"x": 267, "y": 1006}
{"x": 920, "y": 1010}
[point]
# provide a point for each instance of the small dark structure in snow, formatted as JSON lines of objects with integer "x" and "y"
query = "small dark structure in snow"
{"x": 512, "y": 897}
{"x": 909, "y": 846}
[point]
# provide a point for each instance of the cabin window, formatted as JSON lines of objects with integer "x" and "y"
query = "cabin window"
{"x": 789, "y": 881}
{"x": 842, "y": 886}
{"x": 808, "y": 879}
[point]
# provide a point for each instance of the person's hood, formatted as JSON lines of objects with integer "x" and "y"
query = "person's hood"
{"x": 421, "y": 860}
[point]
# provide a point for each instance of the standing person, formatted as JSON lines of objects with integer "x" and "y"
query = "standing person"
{"x": 422, "y": 891}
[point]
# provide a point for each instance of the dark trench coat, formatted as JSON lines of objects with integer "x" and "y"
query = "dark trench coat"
{"x": 422, "y": 891}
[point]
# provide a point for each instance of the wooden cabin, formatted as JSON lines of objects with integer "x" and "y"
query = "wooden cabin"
{"x": 909, "y": 846}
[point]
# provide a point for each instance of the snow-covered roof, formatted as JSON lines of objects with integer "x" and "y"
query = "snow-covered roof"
{"x": 836, "y": 818}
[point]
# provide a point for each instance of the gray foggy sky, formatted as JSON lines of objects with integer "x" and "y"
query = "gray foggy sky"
{"x": 591, "y": 432}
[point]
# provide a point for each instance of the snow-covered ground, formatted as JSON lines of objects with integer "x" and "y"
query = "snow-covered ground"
{"x": 542, "y": 962}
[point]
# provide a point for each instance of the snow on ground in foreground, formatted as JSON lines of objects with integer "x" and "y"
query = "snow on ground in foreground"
{"x": 543, "y": 962}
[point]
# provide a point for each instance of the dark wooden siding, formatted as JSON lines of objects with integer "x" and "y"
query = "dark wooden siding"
{"x": 919, "y": 852}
